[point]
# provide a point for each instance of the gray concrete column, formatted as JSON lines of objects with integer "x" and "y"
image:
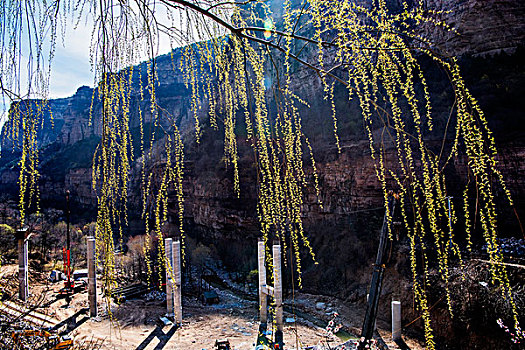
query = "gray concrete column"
{"x": 396, "y": 320}
{"x": 278, "y": 287}
{"x": 92, "y": 277}
{"x": 23, "y": 280}
{"x": 263, "y": 306}
{"x": 178, "y": 282}
{"x": 168, "y": 244}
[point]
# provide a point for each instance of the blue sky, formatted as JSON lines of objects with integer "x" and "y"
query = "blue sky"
{"x": 71, "y": 66}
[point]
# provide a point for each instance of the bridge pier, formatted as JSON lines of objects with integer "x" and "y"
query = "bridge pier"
{"x": 23, "y": 277}
{"x": 92, "y": 277}
{"x": 173, "y": 280}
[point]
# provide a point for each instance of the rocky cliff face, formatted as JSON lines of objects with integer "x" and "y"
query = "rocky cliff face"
{"x": 72, "y": 129}
{"x": 482, "y": 27}
{"x": 348, "y": 180}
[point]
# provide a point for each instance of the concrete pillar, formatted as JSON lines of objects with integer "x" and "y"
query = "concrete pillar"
{"x": 92, "y": 277}
{"x": 168, "y": 248}
{"x": 23, "y": 280}
{"x": 178, "y": 282}
{"x": 263, "y": 300}
{"x": 396, "y": 320}
{"x": 278, "y": 287}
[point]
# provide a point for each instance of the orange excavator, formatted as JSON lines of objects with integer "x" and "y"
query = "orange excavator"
{"x": 53, "y": 341}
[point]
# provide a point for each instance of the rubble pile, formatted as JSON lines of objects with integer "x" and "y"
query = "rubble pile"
{"x": 510, "y": 247}
{"x": 513, "y": 247}
{"x": 155, "y": 295}
{"x": 8, "y": 287}
{"x": 8, "y": 325}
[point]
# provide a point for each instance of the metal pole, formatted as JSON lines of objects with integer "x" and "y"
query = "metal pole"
{"x": 92, "y": 277}
{"x": 375, "y": 322}
{"x": 450, "y": 222}
{"x": 377, "y": 280}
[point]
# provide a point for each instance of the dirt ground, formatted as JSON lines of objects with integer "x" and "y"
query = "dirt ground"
{"x": 136, "y": 323}
{"x": 137, "y": 326}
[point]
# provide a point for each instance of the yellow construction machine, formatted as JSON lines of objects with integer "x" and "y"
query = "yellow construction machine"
{"x": 53, "y": 341}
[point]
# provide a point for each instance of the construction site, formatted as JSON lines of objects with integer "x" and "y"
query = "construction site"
{"x": 58, "y": 306}
{"x": 64, "y": 309}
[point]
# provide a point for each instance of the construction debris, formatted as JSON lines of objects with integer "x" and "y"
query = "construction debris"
{"x": 155, "y": 295}
{"x": 210, "y": 297}
{"x": 122, "y": 294}
{"x": 32, "y": 317}
{"x": 165, "y": 321}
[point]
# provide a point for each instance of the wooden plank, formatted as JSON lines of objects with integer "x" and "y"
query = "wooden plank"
{"x": 30, "y": 316}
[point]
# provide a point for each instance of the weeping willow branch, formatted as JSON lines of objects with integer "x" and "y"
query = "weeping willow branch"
{"x": 225, "y": 51}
